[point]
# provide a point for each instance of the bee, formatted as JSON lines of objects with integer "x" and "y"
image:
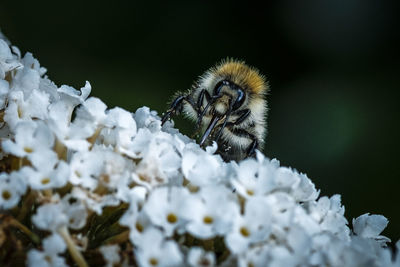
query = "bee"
{"x": 228, "y": 104}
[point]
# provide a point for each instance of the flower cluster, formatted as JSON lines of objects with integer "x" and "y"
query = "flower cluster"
{"x": 79, "y": 180}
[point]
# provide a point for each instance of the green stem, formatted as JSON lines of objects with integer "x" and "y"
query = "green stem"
{"x": 27, "y": 205}
{"x": 73, "y": 250}
{"x": 35, "y": 239}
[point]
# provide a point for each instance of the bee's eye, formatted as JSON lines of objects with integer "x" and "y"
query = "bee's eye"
{"x": 239, "y": 100}
{"x": 218, "y": 87}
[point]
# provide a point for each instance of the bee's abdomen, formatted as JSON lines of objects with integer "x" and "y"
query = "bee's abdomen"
{"x": 235, "y": 142}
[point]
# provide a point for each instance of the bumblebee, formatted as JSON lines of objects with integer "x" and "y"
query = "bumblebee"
{"x": 229, "y": 107}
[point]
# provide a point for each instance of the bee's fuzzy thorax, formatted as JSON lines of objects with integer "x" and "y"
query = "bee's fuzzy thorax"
{"x": 241, "y": 74}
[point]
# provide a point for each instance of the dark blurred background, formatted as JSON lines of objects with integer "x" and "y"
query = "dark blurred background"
{"x": 333, "y": 67}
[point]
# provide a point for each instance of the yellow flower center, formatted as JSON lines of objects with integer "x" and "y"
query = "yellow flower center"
{"x": 6, "y": 195}
{"x": 153, "y": 261}
{"x": 244, "y": 231}
{"x": 19, "y": 111}
{"x": 208, "y": 220}
{"x": 28, "y": 149}
{"x": 139, "y": 227}
{"x": 250, "y": 192}
{"x": 172, "y": 218}
{"x": 45, "y": 180}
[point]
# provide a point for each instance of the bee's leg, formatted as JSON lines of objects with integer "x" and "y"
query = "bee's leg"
{"x": 177, "y": 107}
{"x": 201, "y": 113}
{"x": 200, "y": 100}
{"x": 252, "y": 148}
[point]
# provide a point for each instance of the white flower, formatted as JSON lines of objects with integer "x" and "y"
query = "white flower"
{"x": 33, "y": 140}
{"x": 50, "y": 88}
{"x": 138, "y": 222}
{"x": 159, "y": 160}
{"x": 255, "y": 178}
{"x": 30, "y": 62}
{"x": 27, "y": 79}
{"x": 22, "y": 108}
{"x": 50, "y": 174}
{"x": 253, "y": 227}
{"x": 89, "y": 120}
{"x": 282, "y": 209}
{"x": 254, "y": 257}
{"x": 110, "y": 254}
{"x": 299, "y": 242}
{"x": 120, "y": 128}
{"x": 50, "y": 217}
{"x": 72, "y": 135}
{"x": 93, "y": 109}
{"x": 167, "y": 207}
{"x": 305, "y": 189}
{"x": 72, "y": 96}
{"x": 100, "y": 165}
{"x": 202, "y": 168}
{"x": 370, "y": 226}
{"x": 147, "y": 119}
{"x": 4, "y": 88}
{"x": 198, "y": 257}
{"x": 53, "y": 246}
{"x": 154, "y": 250}
{"x": 93, "y": 201}
{"x": 213, "y": 212}
{"x": 281, "y": 256}
{"x": 12, "y": 187}
{"x": 116, "y": 169}
{"x": 334, "y": 220}
{"x": 389, "y": 260}
{"x": 7, "y": 60}
{"x": 75, "y": 210}
{"x": 86, "y": 167}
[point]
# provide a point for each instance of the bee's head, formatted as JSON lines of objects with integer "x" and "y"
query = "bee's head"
{"x": 234, "y": 87}
{"x": 227, "y": 97}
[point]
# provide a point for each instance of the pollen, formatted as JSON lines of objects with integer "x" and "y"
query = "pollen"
{"x": 20, "y": 113}
{"x": 28, "y": 149}
{"x": 250, "y": 192}
{"x": 153, "y": 261}
{"x": 45, "y": 180}
{"x": 6, "y": 195}
{"x": 244, "y": 231}
{"x": 208, "y": 220}
{"x": 48, "y": 259}
{"x": 172, "y": 218}
{"x": 139, "y": 227}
